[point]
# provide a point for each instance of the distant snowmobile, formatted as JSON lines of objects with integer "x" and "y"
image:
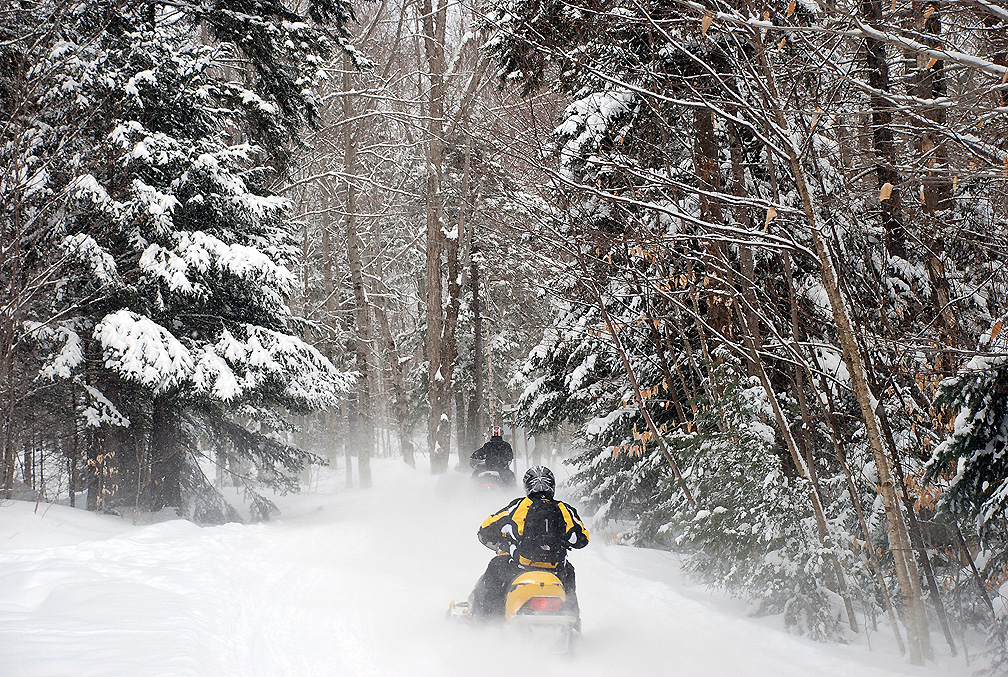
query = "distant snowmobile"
{"x": 491, "y": 462}
{"x": 490, "y": 478}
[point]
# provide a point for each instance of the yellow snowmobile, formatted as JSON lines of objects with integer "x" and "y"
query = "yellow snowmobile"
{"x": 535, "y": 607}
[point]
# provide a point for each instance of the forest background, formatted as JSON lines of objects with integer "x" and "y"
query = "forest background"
{"x": 744, "y": 262}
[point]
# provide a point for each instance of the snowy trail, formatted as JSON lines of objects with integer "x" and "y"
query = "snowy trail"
{"x": 356, "y": 583}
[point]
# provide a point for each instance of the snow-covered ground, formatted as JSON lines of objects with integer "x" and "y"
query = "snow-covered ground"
{"x": 357, "y": 583}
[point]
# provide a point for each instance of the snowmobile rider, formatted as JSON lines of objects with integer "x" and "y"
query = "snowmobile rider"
{"x": 497, "y": 455}
{"x": 532, "y": 532}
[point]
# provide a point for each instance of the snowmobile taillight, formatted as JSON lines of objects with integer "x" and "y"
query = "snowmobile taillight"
{"x": 545, "y": 604}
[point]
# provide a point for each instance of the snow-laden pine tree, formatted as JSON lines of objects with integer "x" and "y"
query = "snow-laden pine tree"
{"x": 678, "y": 154}
{"x": 973, "y": 462}
{"x": 971, "y": 467}
{"x": 168, "y": 127}
{"x": 754, "y": 533}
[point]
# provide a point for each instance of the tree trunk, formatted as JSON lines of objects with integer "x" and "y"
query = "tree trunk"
{"x": 798, "y": 335}
{"x": 706, "y": 160}
{"x": 449, "y": 348}
{"x": 327, "y": 268}
{"x": 363, "y": 414}
{"x": 899, "y": 542}
{"x": 743, "y": 220}
{"x": 492, "y": 418}
{"x": 7, "y": 468}
{"x": 461, "y": 433}
{"x": 166, "y": 456}
{"x": 75, "y": 450}
{"x": 882, "y": 134}
{"x": 916, "y": 538}
{"x": 93, "y": 471}
{"x": 474, "y": 421}
{"x": 28, "y": 461}
{"x": 347, "y": 448}
{"x": 876, "y": 566}
{"x": 92, "y": 474}
{"x": 805, "y": 467}
{"x": 927, "y": 81}
{"x": 433, "y": 21}
{"x": 71, "y": 459}
{"x": 11, "y": 239}
{"x": 400, "y": 405}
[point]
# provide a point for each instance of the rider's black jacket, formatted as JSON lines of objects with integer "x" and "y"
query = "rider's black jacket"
{"x": 506, "y": 526}
{"x": 494, "y": 454}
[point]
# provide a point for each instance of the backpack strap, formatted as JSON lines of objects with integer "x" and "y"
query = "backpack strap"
{"x": 525, "y": 551}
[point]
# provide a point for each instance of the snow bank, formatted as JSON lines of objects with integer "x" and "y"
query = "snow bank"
{"x": 357, "y": 583}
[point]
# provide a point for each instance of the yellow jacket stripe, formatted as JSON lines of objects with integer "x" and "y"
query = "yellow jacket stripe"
{"x": 496, "y": 516}
{"x": 569, "y": 520}
{"x": 520, "y": 513}
{"x": 515, "y": 514}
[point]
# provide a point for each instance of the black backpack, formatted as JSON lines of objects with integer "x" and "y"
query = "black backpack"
{"x": 543, "y": 534}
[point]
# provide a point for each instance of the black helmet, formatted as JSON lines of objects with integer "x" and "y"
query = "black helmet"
{"x": 539, "y": 480}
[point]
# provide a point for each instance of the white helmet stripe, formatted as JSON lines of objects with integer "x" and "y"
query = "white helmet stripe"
{"x": 539, "y": 479}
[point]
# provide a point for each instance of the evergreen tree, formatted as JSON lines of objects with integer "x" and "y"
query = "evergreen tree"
{"x": 754, "y": 533}
{"x": 174, "y": 122}
{"x": 971, "y": 465}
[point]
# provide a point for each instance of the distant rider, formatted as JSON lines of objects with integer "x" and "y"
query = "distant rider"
{"x": 497, "y": 455}
{"x": 505, "y": 531}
